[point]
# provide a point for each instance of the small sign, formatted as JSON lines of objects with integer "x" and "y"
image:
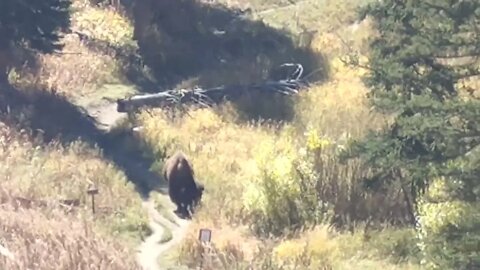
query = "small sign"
{"x": 92, "y": 190}
{"x": 205, "y": 235}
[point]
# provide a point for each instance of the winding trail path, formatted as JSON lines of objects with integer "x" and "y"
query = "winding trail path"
{"x": 154, "y": 245}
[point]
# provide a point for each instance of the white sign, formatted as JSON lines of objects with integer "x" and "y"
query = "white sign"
{"x": 205, "y": 235}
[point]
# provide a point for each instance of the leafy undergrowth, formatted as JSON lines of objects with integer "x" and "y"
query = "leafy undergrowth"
{"x": 44, "y": 196}
{"x": 275, "y": 188}
{"x": 318, "y": 248}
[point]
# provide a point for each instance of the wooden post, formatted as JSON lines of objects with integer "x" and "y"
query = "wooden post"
{"x": 92, "y": 191}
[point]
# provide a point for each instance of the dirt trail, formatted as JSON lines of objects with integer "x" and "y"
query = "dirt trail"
{"x": 153, "y": 246}
{"x": 151, "y": 249}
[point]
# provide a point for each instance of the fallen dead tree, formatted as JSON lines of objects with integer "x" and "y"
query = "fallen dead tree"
{"x": 211, "y": 96}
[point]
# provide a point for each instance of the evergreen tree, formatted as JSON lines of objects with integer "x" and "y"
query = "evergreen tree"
{"x": 32, "y": 24}
{"x": 425, "y": 51}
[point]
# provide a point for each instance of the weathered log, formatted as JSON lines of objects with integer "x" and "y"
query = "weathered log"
{"x": 211, "y": 96}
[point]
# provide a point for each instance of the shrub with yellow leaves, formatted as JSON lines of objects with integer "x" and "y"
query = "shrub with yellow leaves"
{"x": 314, "y": 141}
{"x": 275, "y": 184}
{"x": 284, "y": 196}
{"x": 290, "y": 252}
{"x": 315, "y": 249}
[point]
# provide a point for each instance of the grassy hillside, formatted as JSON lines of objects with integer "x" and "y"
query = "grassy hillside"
{"x": 262, "y": 182}
{"x": 36, "y": 178}
{"x": 92, "y": 64}
{"x": 264, "y": 179}
{"x": 44, "y": 162}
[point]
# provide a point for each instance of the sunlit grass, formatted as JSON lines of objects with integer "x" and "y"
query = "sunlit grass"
{"x": 235, "y": 160}
{"x": 58, "y": 241}
{"x": 231, "y": 157}
{"x": 54, "y": 173}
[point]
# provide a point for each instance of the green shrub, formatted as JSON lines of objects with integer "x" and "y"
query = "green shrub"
{"x": 449, "y": 229}
{"x": 398, "y": 244}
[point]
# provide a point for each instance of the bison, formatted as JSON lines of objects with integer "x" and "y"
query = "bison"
{"x": 183, "y": 189}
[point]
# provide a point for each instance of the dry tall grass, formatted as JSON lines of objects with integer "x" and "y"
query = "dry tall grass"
{"x": 256, "y": 174}
{"x": 88, "y": 60}
{"x": 56, "y": 241}
{"x": 317, "y": 248}
{"x": 265, "y": 178}
{"x": 235, "y": 160}
{"x": 45, "y": 217}
{"x": 44, "y": 177}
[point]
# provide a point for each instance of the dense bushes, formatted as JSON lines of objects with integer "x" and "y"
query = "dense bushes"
{"x": 308, "y": 185}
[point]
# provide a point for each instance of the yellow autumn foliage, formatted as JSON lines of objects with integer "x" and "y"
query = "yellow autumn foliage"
{"x": 317, "y": 248}
{"x": 103, "y": 24}
{"x": 289, "y": 251}
{"x": 274, "y": 160}
{"x": 315, "y": 141}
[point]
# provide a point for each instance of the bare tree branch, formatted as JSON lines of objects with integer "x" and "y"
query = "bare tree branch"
{"x": 212, "y": 96}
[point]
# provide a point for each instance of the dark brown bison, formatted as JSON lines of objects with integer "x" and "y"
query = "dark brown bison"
{"x": 183, "y": 189}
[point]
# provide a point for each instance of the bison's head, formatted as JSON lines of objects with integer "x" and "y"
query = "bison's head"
{"x": 199, "y": 193}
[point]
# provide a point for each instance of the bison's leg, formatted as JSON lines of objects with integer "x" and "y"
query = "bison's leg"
{"x": 179, "y": 209}
{"x": 190, "y": 207}
{"x": 196, "y": 200}
{"x": 181, "y": 200}
{"x": 176, "y": 193}
{"x": 176, "y": 202}
{"x": 182, "y": 210}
